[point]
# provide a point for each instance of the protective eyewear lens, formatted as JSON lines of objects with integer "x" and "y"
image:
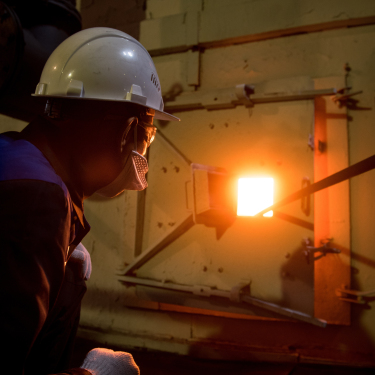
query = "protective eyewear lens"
{"x": 140, "y": 135}
{"x": 146, "y": 132}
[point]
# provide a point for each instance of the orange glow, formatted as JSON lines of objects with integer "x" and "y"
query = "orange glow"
{"x": 254, "y": 194}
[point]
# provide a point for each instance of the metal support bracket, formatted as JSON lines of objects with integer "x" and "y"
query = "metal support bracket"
{"x": 354, "y": 296}
{"x": 236, "y": 291}
{"x": 325, "y": 249}
{"x": 305, "y": 201}
{"x": 344, "y": 98}
{"x": 243, "y": 93}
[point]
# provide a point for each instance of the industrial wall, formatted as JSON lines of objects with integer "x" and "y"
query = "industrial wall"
{"x": 201, "y": 48}
{"x": 187, "y": 295}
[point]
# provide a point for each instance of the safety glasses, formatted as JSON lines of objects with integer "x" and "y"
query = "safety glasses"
{"x": 141, "y": 134}
{"x": 145, "y": 131}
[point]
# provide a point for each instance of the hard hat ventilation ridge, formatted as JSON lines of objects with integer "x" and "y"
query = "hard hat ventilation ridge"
{"x": 155, "y": 81}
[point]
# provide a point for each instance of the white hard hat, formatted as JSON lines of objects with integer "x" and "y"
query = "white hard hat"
{"x": 103, "y": 64}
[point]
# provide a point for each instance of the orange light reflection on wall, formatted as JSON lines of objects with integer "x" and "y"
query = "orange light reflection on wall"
{"x": 254, "y": 194}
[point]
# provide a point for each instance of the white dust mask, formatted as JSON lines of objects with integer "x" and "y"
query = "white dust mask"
{"x": 132, "y": 177}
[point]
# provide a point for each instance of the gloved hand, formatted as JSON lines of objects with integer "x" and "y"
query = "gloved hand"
{"x": 101, "y": 361}
{"x": 82, "y": 261}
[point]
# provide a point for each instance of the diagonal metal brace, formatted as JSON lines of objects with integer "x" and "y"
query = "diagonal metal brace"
{"x": 182, "y": 227}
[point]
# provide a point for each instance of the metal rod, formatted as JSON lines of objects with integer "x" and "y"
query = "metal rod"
{"x": 352, "y": 171}
{"x": 168, "y": 238}
{"x": 207, "y": 292}
{"x": 228, "y": 99}
{"x": 290, "y": 96}
{"x": 356, "y": 292}
{"x": 284, "y": 311}
{"x": 294, "y": 220}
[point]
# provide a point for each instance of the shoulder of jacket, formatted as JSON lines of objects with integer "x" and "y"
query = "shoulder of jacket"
{"x": 21, "y": 160}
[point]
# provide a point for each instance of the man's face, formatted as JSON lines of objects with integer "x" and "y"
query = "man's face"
{"x": 104, "y": 142}
{"x": 137, "y": 133}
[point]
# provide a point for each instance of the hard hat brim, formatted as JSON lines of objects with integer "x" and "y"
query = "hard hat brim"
{"x": 159, "y": 115}
{"x": 165, "y": 116}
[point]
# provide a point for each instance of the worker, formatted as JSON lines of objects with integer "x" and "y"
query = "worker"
{"x": 102, "y": 94}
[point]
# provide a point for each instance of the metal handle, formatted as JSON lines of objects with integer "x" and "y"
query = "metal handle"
{"x": 305, "y": 201}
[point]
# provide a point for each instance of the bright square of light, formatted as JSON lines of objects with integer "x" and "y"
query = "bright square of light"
{"x": 254, "y": 195}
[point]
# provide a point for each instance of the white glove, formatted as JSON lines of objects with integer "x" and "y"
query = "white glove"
{"x": 101, "y": 361}
{"x": 82, "y": 260}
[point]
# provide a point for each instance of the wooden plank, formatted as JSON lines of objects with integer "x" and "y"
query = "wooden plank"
{"x": 331, "y": 207}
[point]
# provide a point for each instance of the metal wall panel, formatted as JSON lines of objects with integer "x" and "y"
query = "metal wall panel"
{"x": 268, "y": 140}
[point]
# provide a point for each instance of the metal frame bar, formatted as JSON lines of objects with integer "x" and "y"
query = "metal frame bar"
{"x": 243, "y": 94}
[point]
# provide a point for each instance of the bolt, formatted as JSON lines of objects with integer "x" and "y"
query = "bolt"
{"x": 322, "y": 146}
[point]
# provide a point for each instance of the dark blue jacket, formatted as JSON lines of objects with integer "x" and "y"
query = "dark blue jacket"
{"x": 40, "y": 293}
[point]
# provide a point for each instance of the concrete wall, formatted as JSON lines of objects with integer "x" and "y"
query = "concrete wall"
{"x": 201, "y": 46}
